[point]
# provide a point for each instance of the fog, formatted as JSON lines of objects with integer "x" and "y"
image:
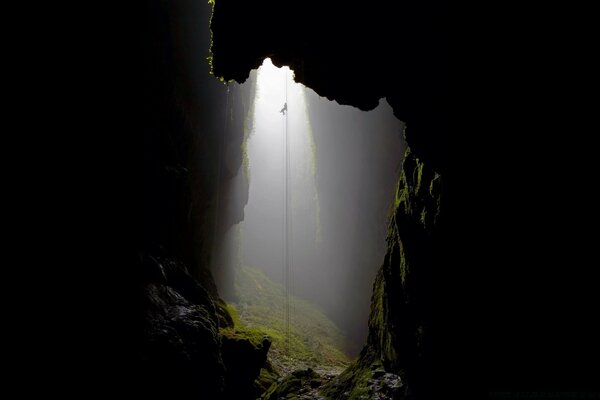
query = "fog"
{"x": 318, "y": 205}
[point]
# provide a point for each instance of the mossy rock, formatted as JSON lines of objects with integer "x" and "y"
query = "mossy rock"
{"x": 266, "y": 379}
{"x": 292, "y": 385}
{"x": 245, "y": 357}
{"x": 364, "y": 382}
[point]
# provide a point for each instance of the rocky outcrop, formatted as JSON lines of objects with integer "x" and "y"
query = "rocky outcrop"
{"x": 243, "y": 360}
{"x": 193, "y": 128}
{"x": 397, "y": 324}
{"x": 366, "y": 379}
{"x": 185, "y": 348}
{"x": 299, "y": 385}
{"x": 180, "y": 347}
{"x": 400, "y": 318}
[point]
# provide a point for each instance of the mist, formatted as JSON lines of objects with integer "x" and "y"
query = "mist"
{"x": 321, "y": 183}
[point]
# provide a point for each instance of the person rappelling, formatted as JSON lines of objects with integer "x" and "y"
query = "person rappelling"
{"x": 284, "y": 109}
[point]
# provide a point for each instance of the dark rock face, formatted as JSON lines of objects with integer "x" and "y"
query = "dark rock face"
{"x": 349, "y": 53}
{"x": 181, "y": 344}
{"x": 192, "y": 133}
{"x": 387, "y": 384}
{"x": 243, "y": 363}
{"x": 400, "y": 319}
{"x": 399, "y": 292}
{"x": 367, "y": 379}
{"x": 192, "y": 137}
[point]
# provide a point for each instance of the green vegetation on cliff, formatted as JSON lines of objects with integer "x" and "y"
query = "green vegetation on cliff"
{"x": 418, "y": 192}
{"x": 397, "y": 322}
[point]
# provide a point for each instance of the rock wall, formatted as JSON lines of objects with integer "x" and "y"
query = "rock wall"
{"x": 399, "y": 320}
{"x": 180, "y": 347}
{"x": 401, "y": 315}
{"x": 193, "y": 129}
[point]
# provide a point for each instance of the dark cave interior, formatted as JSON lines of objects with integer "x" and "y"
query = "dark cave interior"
{"x": 484, "y": 284}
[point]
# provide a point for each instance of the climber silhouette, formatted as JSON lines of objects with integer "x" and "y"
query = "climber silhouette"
{"x": 284, "y": 109}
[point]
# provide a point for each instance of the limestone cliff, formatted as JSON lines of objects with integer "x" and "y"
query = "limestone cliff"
{"x": 400, "y": 318}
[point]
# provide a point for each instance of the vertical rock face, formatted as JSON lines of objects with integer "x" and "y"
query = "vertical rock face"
{"x": 193, "y": 130}
{"x": 180, "y": 346}
{"x": 399, "y": 322}
{"x": 181, "y": 312}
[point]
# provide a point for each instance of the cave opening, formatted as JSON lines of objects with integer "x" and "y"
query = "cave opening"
{"x": 362, "y": 206}
{"x": 300, "y": 266}
{"x": 462, "y": 305}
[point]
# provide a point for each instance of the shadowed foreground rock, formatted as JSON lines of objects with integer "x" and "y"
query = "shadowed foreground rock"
{"x": 243, "y": 363}
{"x": 181, "y": 344}
{"x": 299, "y": 385}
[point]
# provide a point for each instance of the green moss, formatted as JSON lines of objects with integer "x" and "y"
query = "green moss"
{"x": 416, "y": 207}
{"x": 435, "y": 193}
{"x": 419, "y": 176}
{"x": 249, "y": 126}
{"x": 413, "y": 202}
{"x": 209, "y": 59}
{"x": 293, "y": 384}
{"x": 403, "y": 264}
{"x": 380, "y": 337}
{"x": 435, "y": 180}
{"x": 210, "y": 47}
{"x": 266, "y": 379}
{"x": 403, "y": 187}
{"x": 376, "y": 317}
{"x": 233, "y": 313}
{"x": 223, "y": 314}
{"x": 286, "y": 389}
{"x": 353, "y": 383}
{"x": 313, "y": 340}
{"x": 423, "y": 216}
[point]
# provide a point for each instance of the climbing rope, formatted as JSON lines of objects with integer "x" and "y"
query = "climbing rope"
{"x": 287, "y": 224}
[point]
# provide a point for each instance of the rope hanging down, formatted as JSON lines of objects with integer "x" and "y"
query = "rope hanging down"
{"x": 287, "y": 223}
